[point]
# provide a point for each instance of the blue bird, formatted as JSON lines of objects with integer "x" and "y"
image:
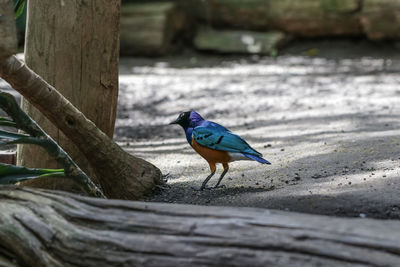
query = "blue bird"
{"x": 215, "y": 143}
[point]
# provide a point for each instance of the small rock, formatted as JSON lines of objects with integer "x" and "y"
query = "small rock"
{"x": 316, "y": 176}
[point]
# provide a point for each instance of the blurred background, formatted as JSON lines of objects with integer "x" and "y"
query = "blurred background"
{"x": 159, "y": 28}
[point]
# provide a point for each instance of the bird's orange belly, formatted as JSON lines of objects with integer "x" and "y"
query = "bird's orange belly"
{"x": 211, "y": 155}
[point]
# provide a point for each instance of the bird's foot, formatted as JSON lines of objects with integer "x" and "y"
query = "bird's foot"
{"x": 163, "y": 187}
{"x": 202, "y": 188}
{"x": 219, "y": 186}
{"x": 165, "y": 177}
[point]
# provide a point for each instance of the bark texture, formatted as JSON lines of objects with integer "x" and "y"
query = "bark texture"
{"x": 8, "y": 34}
{"x": 120, "y": 174}
{"x": 74, "y": 46}
{"x": 42, "y": 228}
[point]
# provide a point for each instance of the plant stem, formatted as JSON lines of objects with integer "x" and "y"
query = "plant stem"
{"x": 24, "y": 122}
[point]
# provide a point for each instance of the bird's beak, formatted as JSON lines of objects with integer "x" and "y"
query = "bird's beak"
{"x": 173, "y": 122}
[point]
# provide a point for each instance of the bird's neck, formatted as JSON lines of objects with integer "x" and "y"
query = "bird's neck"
{"x": 188, "y": 132}
{"x": 189, "y": 129}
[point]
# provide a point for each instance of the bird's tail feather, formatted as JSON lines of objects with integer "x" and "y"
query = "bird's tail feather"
{"x": 256, "y": 158}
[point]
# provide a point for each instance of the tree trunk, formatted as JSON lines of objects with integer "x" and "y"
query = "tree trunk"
{"x": 8, "y": 34}
{"x": 74, "y": 46}
{"x": 121, "y": 175}
{"x": 44, "y": 228}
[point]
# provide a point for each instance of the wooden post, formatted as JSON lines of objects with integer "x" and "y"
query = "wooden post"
{"x": 74, "y": 46}
{"x": 8, "y": 36}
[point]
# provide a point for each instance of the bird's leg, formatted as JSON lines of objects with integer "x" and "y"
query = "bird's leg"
{"x": 203, "y": 185}
{"x": 226, "y": 169}
{"x": 213, "y": 168}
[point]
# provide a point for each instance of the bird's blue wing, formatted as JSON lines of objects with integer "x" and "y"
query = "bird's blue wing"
{"x": 222, "y": 139}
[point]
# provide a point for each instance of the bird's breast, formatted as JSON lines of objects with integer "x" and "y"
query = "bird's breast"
{"x": 211, "y": 155}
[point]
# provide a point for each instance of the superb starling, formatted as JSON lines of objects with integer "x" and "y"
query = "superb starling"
{"x": 215, "y": 143}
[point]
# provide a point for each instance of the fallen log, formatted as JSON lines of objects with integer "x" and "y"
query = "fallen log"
{"x": 150, "y": 28}
{"x": 42, "y": 228}
{"x": 308, "y": 18}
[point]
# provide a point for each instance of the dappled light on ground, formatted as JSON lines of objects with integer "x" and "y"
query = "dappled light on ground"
{"x": 330, "y": 127}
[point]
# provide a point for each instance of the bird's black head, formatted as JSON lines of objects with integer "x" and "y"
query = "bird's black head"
{"x": 183, "y": 119}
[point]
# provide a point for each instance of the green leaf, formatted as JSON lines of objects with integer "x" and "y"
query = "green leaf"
{"x": 12, "y": 136}
{"x": 47, "y": 144}
{"x": 19, "y": 8}
{"x": 23, "y": 121}
{"x": 13, "y": 174}
{"x": 7, "y": 122}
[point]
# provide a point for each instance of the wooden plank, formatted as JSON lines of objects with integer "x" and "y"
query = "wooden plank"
{"x": 61, "y": 229}
{"x": 8, "y": 35}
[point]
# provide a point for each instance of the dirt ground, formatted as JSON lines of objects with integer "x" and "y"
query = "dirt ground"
{"x": 325, "y": 113}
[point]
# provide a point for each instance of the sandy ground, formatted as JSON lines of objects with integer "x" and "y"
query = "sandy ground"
{"x": 328, "y": 123}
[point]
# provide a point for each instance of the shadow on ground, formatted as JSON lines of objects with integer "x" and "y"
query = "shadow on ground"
{"x": 329, "y": 125}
